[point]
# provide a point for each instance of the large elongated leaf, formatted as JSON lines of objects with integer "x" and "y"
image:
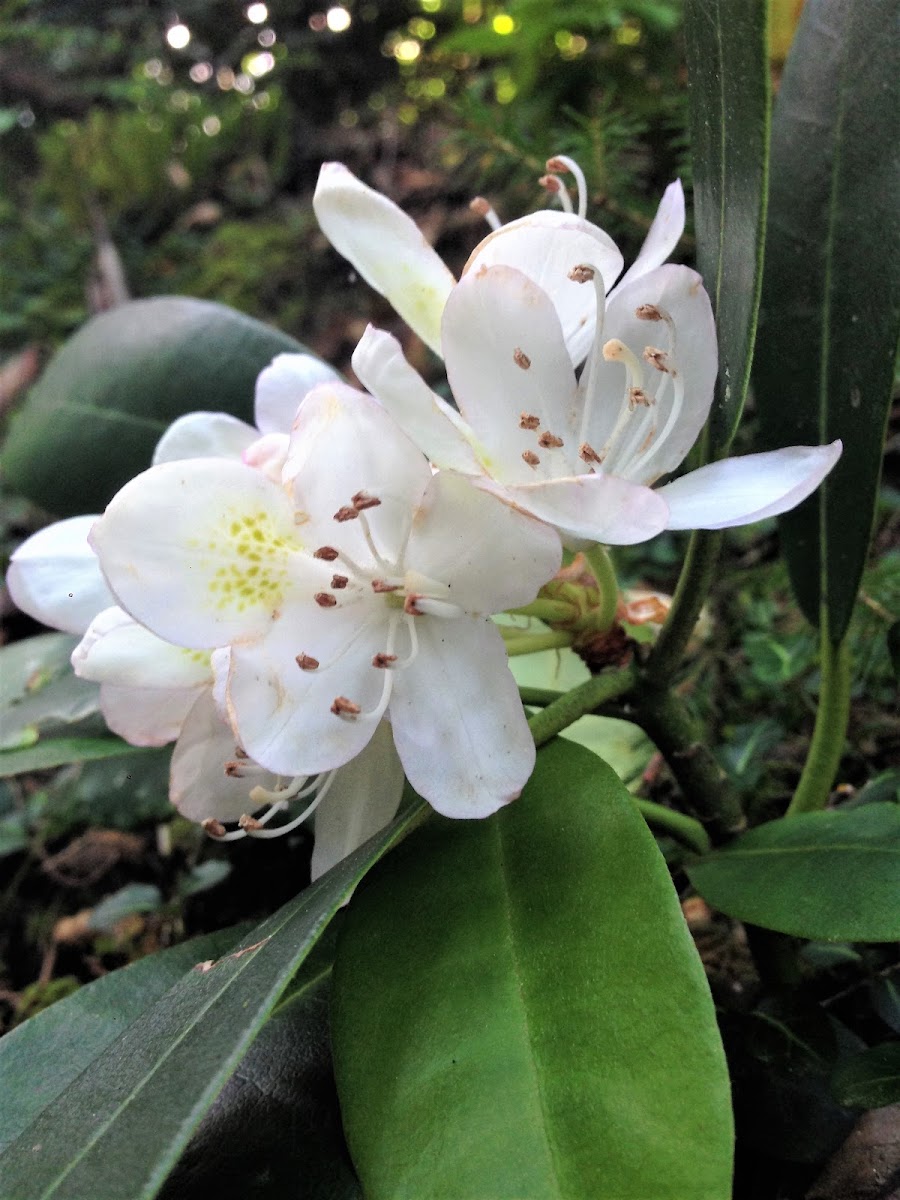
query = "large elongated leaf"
{"x": 56, "y": 751}
{"x": 831, "y": 294}
{"x": 93, "y": 418}
{"x": 38, "y": 691}
{"x": 117, "y": 1129}
{"x": 519, "y": 1011}
{"x": 728, "y": 72}
{"x": 829, "y": 876}
{"x": 870, "y": 1079}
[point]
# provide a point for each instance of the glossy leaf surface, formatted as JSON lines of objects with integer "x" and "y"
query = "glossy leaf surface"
{"x": 519, "y": 1011}
{"x": 829, "y": 876}
{"x": 831, "y": 294}
{"x": 92, "y": 420}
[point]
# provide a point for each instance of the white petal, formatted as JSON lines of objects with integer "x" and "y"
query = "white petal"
{"x": 198, "y": 785}
{"x": 282, "y": 713}
{"x": 737, "y": 491}
{"x": 459, "y": 726}
{"x": 592, "y": 508}
{"x": 55, "y": 577}
{"x": 363, "y": 798}
{"x": 428, "y": 420}
{"x": 680, "y": 292}
{"x": 146, "y": 716}
{"x": 386, "y": 247}
{"x": 344, "y": 442}
{"x": 663, "y": 236}
{"x": 505, "y": 356}
{"x": 268, "y": 454}
{"x": 202, "y": 551}
{"x": 546, "y": 246}
{"x": 283, "y": 386}
{"x": 117, "y": 650}
{"x": 204, "y": 435}
{"x": 489, "y": 556}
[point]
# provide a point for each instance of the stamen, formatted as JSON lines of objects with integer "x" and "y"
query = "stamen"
{"x": 585, "y": 273}
{"x": 652, "y": 312}
{"x": 528, "y": 421}
{"x": 327, "y": 552}
{"x": 248, "y": 823}
{"x": 296, "y": 790}
{"x": 214, "y": 828}
{"x": 561, "y": 162}
{"x": 347, "y": 513}
{"x": 521, "y": 359}
{"x": 655, "y": 443}
{"x": 370, "y": 541}
{"x": 588, "y": 453}
{"x": 550, "y": 441}
{"x": 433, "y": 607}
{"x": 531, "y": 458}
{"x": 384, "y": 660}
{"x": 555, "y": 188}
{"x": 280, "y": 830}
{"x": 656, "y": 358}
{"x": 381, "y": 585}
{"x": 362, "y": 500}
{"x": 637, "y": 396}
{"x": 325, "y": 599}
{"x": 342, "y": 707}
{"x": 410, "y": 605}
{"x": 306, "y": 662}
{"x": 413, "y": 644}
{"x": 234, "y": 770}
{"x": 339, "y": 581}
{"x": 581, "y": 274}
{"x": 484, "y": 209}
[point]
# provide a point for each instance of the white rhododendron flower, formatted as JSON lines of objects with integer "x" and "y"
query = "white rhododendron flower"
{"x": 389, "y": 251}
{"x": 363, "y": 590}
{"x": 581, "y": 452}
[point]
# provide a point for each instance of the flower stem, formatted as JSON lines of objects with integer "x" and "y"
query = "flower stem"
{"x": 531, "y": 643}
{"x": 545, "y": 610}
{"x": 538, "y": 697}
{"x": 597, "y": 690}
{"x": 690, "y": 595}
{"x": 685, "y": 829}
{"x": 832, "y": 717}
{"x": 604, "y": 572}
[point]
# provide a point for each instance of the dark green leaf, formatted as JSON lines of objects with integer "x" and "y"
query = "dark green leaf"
{"x": 38, "y": 691}
{"x": 885, "y": 993}
{"x": 729, "y": 98}
{"x": 893, "y": 641}
{"x": 870, "y": 1079}
{"x": 55, "y": 752}
{"x": 118, "y": 1128}
{"x": 519, "y": 1010}
{"x": 831, "y": 295}
{"x": 117, "y": 793}
{"x": 828, "y": 876}
{"x": 39, "y": 1059}
{"x": 275, "y": 1128}
{"x": 134, "y": 898}
{"x": 92, "y": 420}
{"x": 204, "y": 876}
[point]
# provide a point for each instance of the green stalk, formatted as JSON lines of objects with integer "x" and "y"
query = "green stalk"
{"x": 538, "y": 697}
{"x": 690, "y": 594}
{"x": 531, "y": 643}
{"x": 682, "y": 827}
{"x": 605, "y": 574}
{"x": 545, "y": 610}
{"x": 832, "y": 717}
{"x": 565, "y": 711}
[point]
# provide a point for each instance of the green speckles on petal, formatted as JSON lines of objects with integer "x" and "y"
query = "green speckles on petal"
{"x": 253, "y": 557}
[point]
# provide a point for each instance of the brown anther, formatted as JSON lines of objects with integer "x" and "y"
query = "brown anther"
{"x": 648, "y": 312}
{"x": 347, "y": 513}
{"x": 240, "y": 752}
{"x": 409, "y": 605}
{"x": 527, "y": 421}
{"x": 521, "y": 359}
{"x": 656, "y": 358}
{"x": 379, "y": 586}
{"x": 213, "y": 827}
{"x": 300, "y": 518}
{"x": 549, "y": 440}
{"x": 582, "y": 274}
{"x": 384, "y": 660}
{"x": 551, "y": 184}
{"x": 531, "y": 458}
{"x": 327, "y": 552}
{"x": 480, "y": 206}
{"x": 245, "y": 821}
{"x": 234, "y": 770}
{"x": 556, "y": 165}
{"x": 325, "y": 599}
{"x": 342, "y": 707}
{"x": 362, "y": 501}
{"x": 588, "y": 454}
{"x": 306, "y": 662}
{"x": 339, "y": 581}
{"x": 637, "y": 396}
